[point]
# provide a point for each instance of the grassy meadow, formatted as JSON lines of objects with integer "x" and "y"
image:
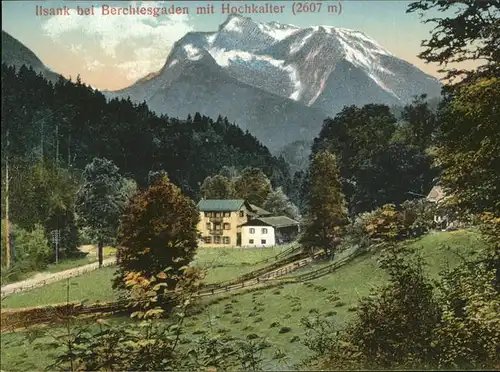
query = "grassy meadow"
{"x": 221, "y": 264}
{"x": 276, "y": 313}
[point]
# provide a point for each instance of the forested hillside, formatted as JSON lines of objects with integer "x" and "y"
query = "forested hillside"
{"x": 70, "y": 124}
{"x": 50, "y": 132}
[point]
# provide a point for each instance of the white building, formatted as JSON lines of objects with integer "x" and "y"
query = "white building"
{"x": 268, "y": 231}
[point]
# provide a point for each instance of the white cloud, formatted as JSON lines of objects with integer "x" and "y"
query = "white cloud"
{"x": 93, "y": 65}
{"x": 76, "y": 48}
{"x": 146, "y": 38}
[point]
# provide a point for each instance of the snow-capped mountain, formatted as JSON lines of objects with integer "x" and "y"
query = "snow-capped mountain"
{"x": 271, "y": 76}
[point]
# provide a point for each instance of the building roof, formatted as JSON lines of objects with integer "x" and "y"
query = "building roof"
{"x": 259, "y": 211}
{"x": 277, "y": 221}
{"x": 436, "y": 194}
{"x": 220, "y": 205}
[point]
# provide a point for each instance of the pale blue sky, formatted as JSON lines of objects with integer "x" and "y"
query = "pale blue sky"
{"x": 111, "y": 52}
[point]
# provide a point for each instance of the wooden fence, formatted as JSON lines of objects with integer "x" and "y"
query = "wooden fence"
{"x": 56, "y": 277}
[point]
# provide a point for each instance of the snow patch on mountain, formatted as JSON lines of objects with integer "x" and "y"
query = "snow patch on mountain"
{"x": 193, "y": 54}
{"x": 276, "y": 31}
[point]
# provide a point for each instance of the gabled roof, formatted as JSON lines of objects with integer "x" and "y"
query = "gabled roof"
{"x": 436, "y": 194}
{"x": 260, "y": 211}
{"x": 221, "y": 205}
{"x": 277, "y": 221}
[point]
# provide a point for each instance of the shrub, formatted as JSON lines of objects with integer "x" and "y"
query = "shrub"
{"x": 285, "y": 330}
{"x": 414, "y": 323}
{"x": 320, "y": 333}
{"x": 31, "y": 251}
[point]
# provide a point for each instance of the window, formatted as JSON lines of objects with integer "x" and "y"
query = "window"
{"x": 252, "y": 231}
{"x": 250, "y": 241}
{"x": 226, "y": 240}
{"x": 217, "y": 226}
{"x": 227, "y": 214}
{"x": 208, "y": 239}
{"x": 264, "y": 231}
{"x": 218, "y": 214}
{"x": 263, "y": 241}
{"x": 242, "y": 214}
{"x": 216, "y": 239}
{"x": 208, "y": 225}
{"x": 227, "y": 226}
{"x": 207, "y": 214}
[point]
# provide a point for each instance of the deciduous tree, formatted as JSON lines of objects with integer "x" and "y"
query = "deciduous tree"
{"x": 465, "y": 31}
{"x": 469, "y": 146}
{"x": 253, "y": 186}
{"x": 217, "y": 187}
{"x": 279, "y": 204}
{"x": 158, "y": 235}
{"x": 100, "y": 201}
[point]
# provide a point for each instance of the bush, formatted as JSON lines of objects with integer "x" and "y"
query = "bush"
{"x": 391, "y": 224}
{"x": 414, "y": 323}
{"x": 31, "y": 251}
{"x": 285, "y": 330}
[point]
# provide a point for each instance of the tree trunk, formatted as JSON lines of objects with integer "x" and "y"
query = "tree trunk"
{"x": 99, "y": 251}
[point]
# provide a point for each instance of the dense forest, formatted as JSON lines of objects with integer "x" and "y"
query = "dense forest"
{"x": 51, "y": 132}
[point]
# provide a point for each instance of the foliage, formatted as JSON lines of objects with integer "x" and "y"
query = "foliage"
{"x": 375, "y": 169}
{"x": 157, "y": 238}
{"x": 469, "y": 146}
{"x": 490, "y": 228}
{"x": 43, "y": 194}
{"x": 469, "y": 333}
{"x": 32, "y": 251}
{"x": 217, "y": 187}
{"x": 418, "y": 124}
{"x": 415, "y": 323}
{"x": 327, "y": 214}
{"x": 320, "y": 333}
{"x": 391, "y": 224}
{"x": 74, "y": 123}
{"x": 279, "y": 204}
{"x": 299, "y": 190}
{"x": 253, "y": 186}
{"x": 100, "y": 201}
{"x": 467, "y": 31}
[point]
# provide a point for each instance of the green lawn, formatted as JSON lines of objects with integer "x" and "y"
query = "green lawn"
{"x": 256, "y": 312}
{"x": 222, "y": 264}
{"x": 228, "y": 263}
{"x": 92, "y": 286}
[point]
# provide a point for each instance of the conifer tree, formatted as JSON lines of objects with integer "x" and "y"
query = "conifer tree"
{"x": 327, "y": 213}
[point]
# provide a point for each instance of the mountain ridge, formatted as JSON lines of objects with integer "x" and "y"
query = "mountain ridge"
{"x": 15, "y": 53}
{"x": 319, "y": 68}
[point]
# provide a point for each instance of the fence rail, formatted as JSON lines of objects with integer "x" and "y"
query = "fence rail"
{"x": 12, "y": 317}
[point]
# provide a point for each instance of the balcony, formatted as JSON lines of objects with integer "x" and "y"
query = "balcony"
{"x": 216, "y": 219}
{"x": 216, "y": 232}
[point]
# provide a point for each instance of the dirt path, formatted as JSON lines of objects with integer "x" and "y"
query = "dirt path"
{"x": 42, "y": 279}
